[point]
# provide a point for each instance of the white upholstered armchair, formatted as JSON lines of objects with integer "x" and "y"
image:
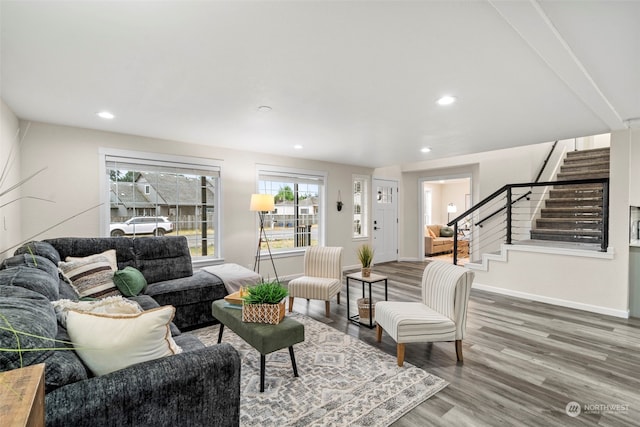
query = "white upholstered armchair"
{"x": 440, "y": 316}
{"x": 322, "y": 278}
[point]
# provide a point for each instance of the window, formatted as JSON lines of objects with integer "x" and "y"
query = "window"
{"x": 296, "y": 221}
{"x": 177, "y": 196}
{"x": 360, "y": 191}
{"x": 427, "y": 207}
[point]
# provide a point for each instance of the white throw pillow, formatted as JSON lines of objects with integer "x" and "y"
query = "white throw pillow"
{"x": 92, "y": 276}
{"x": 109, "y": 342}
{"x": 110, "y": 305}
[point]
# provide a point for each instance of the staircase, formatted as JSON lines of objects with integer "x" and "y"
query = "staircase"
{"x": 573, "y": 213}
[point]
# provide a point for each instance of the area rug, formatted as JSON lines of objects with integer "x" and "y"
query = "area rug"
{"x": 342, "y": 381}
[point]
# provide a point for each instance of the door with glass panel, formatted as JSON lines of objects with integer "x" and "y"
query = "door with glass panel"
{"x": 385, "y": 220}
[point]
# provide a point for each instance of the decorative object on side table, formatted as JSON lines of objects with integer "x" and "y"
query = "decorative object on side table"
{"x": 365, "y": 255}
{"x": 264, "y": 303}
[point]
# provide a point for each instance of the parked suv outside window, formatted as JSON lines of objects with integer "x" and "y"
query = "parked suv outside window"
{"x": 157, "y": 225}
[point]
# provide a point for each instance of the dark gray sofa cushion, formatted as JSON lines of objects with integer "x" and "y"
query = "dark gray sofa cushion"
{"x": 33, "y": 279}
{"x": 40, "y": 248}
{"x": 33, "y": 261}
{"x": 30, "y": 312}
{"x": 163, "y": 258}
{"x": 85, "y": 246}
{"x": 192, "y": 296}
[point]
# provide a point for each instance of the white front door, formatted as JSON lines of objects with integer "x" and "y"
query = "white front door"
{"x": 385, "y": 220}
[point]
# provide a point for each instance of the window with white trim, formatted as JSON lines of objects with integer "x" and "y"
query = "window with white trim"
{"x": 296, "y": 221}
{"x": 360, "y": 203}
{"x": 158, "y": 197}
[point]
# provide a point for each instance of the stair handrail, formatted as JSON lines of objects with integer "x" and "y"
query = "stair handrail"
{"x": 509, "y": 204}
{"x": 546, "y": 160}
{"x": 526, "y": 195}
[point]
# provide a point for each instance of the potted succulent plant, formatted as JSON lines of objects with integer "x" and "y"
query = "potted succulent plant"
{"x": 264, "y": 303}
{"x": 365, "y": 255}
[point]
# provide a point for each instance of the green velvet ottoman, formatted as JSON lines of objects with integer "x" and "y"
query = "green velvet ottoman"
{"x": 261, "y": 336}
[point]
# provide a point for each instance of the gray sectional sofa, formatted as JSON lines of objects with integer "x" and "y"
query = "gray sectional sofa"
{"x": 198, "y": 387}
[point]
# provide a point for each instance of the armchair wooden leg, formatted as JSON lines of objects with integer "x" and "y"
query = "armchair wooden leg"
{"x": 459, "y": 350}
{"x": 327, "y": 309}
{"x": 290, "y": 304}
{"x": 338, "y": 297}
{"x": 400, "y": 354}
{"x": 378, "y": 333}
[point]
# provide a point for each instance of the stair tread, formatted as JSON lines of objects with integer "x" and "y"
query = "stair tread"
{"x": 574, "y": 209}
{"x": 572, "y": 219}
{"x": 585, "y": 173}
{"x": 563, "y": 231}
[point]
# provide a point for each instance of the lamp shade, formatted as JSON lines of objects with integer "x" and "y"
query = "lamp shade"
{"x": 262, "y": 202}
{"x": 451, "y": 208}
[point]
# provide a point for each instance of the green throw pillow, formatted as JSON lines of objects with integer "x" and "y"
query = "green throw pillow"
{"x": 129, "y": 281}
{"x": 446, "y": 232}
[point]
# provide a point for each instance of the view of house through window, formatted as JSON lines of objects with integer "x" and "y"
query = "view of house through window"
{"x": 150, "y": 198}
{"x": 295, "y": 220}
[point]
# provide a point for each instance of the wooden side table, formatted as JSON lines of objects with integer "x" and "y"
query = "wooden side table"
{"x": 22, "y": 397}
{"x": 374, "y": 278}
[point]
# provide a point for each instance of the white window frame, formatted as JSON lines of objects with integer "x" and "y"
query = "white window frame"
{"x": 365, "y": 181}
{"x": 293, "y": 173}
{"x": 158, "y": 159}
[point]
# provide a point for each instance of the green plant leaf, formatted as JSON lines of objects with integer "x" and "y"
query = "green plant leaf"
{"x": 266, "y": 293}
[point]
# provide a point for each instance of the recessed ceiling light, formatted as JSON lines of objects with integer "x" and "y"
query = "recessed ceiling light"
{"x": 264, "y": 108}
{"x": 447, "y": 100}
{"x": 105, "y": 115}
{"x": 425, "y": 149}
{"x": 298, "y": 147}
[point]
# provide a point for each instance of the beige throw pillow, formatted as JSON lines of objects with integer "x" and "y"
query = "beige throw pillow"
{"x": 109, "y": 342}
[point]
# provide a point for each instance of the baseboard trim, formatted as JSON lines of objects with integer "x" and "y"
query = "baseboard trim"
{"x": 553, "y": 301}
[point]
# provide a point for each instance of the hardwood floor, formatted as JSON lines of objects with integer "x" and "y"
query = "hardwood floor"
{"x": 524, "y": 361}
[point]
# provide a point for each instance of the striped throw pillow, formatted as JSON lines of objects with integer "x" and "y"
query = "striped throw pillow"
{"x": 92, "y": 276}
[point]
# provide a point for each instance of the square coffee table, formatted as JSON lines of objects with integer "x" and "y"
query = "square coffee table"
{"x": 263, "y": 337}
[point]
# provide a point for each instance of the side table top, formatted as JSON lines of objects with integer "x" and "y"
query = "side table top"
{"x": 372, "y": 278}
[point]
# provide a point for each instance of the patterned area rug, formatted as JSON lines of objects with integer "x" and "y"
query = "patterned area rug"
{"x": 343, "y": 381}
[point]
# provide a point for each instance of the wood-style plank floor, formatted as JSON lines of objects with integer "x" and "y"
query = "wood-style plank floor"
{"x": 524, "y": 361}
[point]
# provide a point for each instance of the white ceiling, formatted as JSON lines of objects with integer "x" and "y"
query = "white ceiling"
{"x": 352, "y": 81}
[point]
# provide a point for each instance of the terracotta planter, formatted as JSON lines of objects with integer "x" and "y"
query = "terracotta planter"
{"x": 366, "y": 271}
{"x": 263, "y": 313}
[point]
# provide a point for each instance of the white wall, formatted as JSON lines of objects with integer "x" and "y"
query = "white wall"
{"x": 453, "y": 193}
{"x": 9, "y": 176}
{"x": 71, "y": 179}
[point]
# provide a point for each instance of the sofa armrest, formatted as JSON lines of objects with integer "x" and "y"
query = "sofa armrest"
{"x": 428, "y": 245}
{"x": 197, "y": 388}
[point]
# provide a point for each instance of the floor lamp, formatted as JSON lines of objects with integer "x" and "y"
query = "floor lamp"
{"x": 262, "y": 203}
{"x": 451, "y": 208}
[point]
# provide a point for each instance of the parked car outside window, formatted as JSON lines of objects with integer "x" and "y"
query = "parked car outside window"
{"x": 156, "y": 225}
